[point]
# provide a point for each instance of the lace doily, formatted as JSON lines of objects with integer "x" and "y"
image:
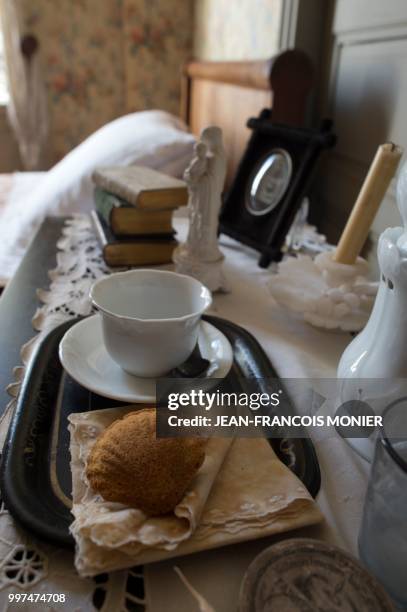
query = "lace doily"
{"x": 28, "y": 566}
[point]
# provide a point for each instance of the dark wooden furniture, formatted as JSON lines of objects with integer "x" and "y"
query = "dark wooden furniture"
{"x": 229, "y": 93}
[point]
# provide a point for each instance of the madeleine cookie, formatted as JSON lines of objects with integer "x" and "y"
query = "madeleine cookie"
{"x": 128, "y": 464}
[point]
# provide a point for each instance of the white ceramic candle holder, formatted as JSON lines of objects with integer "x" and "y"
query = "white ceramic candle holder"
{"x": 328, "y": 294}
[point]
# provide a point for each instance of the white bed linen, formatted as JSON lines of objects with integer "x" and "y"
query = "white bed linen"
{"x": 151, "y": 138}
{"x": 21, "y": 185}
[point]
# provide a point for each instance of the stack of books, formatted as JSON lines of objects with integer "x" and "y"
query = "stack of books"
{"x": 133, "y": 214}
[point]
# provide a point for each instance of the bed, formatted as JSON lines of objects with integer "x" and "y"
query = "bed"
{"x": 220, "y": 93}
{"x": 228, "y": 93}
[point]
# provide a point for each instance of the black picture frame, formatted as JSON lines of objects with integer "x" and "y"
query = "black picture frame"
{"x": 267, "y": 232}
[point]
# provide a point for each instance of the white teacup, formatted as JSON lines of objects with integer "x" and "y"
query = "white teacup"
{"x": 150, "y": 318}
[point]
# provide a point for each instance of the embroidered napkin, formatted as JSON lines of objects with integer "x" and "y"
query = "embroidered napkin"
{"x": 242, "y": 491}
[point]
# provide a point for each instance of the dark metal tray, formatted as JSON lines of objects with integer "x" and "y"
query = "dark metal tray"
{"x": 35, "y": 474}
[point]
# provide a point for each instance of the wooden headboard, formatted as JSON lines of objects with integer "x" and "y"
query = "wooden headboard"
{"x": 228, "y": 93}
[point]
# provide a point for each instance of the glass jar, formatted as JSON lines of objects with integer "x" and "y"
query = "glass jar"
{"x": 383, "y": 533}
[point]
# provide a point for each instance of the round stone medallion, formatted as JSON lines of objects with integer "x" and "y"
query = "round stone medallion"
{"x": 304, "y": 575}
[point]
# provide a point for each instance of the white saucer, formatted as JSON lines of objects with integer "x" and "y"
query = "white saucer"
{"x": 84, "y": 357}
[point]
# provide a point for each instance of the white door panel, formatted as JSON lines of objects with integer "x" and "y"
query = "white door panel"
{"x": 367, "y": 14}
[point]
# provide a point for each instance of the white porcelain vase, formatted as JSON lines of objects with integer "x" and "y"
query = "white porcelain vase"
{"x": 373, "y": 367}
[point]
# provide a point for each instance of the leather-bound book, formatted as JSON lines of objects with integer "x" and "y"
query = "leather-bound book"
{"x": 144, "y": 188}
{"x": 127, "y": 220}
{"x": 132, "y": 251}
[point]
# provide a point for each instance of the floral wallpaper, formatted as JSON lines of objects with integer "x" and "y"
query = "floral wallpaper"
{"x": 242, "y": 29}
{"x": 102, "y": 59}
{"x": 158, "y": 41}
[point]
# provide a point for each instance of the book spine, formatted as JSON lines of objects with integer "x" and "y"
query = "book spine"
{"x": 105, "y": 203}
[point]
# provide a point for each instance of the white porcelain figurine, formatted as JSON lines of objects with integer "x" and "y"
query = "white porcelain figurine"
{"x": 200, "y": 255}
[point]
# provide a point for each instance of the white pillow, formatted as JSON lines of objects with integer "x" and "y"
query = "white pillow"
{"x": 150, "y": 138}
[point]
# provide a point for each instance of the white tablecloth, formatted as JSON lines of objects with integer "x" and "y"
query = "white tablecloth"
{"x": 296, "y": 350}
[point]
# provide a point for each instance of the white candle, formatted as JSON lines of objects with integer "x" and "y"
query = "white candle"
{"x": 378, "y": 178}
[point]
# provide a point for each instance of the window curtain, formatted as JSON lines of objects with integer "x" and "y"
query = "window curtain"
{"x": 27, "y": 108}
